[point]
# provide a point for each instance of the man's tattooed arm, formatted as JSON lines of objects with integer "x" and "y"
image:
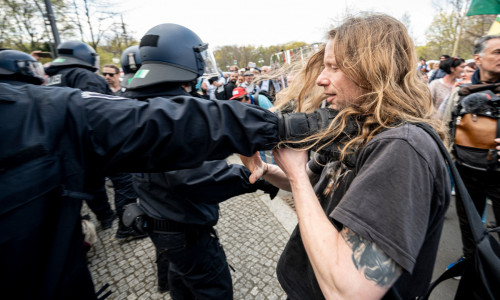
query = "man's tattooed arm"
{"x": 371, "y": 260}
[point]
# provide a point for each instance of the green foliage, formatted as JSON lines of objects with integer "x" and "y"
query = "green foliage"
{"x": 22, "y": 25}
{"x": 226, "y": 55}
{"x": 113, "y": 49}
{"x": 444, "y": 30}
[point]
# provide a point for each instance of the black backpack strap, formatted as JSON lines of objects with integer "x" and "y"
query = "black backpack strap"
{"x": 477, "y": 227}
{"x": 457, "y": 270}
{"x": 475, "y": 223}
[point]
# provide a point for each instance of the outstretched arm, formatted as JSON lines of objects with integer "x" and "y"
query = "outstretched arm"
{"x": 178, "y": 133}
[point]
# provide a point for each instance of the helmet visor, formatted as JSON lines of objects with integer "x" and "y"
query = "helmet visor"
{"x": 210, "y": 64}
{"x": 31, "y": 68}
{"x": 97, "y": 62}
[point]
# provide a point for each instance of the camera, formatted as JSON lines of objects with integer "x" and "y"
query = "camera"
{"x": 297, "y": 126}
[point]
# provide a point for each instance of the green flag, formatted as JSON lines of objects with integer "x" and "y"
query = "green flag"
{"x": 484, "y": 7}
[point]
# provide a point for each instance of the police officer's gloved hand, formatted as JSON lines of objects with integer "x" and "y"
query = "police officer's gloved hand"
{"x": 297, "y": 126}
{"x": 268, "y": 188}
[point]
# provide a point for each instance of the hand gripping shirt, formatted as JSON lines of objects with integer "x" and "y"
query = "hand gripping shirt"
{"x": 396, "y": 196}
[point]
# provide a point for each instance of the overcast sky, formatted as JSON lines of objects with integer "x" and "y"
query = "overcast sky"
{"x": 264, "y": 22}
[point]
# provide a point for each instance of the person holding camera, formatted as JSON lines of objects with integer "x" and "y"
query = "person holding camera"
{"x": 481, "y": 183}
{"x": 369, "y": 226}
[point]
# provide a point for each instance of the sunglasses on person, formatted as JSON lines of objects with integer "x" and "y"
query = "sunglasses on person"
{"x": 108, "y": 74}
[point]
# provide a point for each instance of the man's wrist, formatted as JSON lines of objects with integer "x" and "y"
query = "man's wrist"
{"x": 266, "y": 169}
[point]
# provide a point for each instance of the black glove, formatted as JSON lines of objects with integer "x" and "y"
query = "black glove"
{"x": 268, "y": 188}
{"x": 297, "y": 126}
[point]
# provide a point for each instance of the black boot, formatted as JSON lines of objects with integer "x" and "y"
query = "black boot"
{"x": 107, "y": 221}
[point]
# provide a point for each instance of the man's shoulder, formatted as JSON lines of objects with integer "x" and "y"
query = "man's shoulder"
{"x": 411, "y": 136}
{"x": 409, "y": 133}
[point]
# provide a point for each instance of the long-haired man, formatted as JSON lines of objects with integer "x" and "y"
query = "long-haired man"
{"x": 369, "y": 227}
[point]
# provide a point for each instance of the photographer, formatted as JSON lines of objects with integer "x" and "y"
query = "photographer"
{"x": 370, "y": 227}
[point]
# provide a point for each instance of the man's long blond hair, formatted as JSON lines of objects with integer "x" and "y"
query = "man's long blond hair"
{"x": 378, "y": 55}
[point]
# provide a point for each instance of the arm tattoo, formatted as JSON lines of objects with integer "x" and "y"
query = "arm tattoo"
{"x": 371, "y": 260}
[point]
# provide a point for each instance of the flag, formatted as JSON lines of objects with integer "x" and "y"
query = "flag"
{"x": 495, "y": 27}
{"x": 484, "y": 7}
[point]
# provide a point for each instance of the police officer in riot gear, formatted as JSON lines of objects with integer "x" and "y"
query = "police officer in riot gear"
{"x": 182, "y": 206}
{"x": 75, "y": 67}
{"x": 19, "y": 66}
{"x": 131, "y": 62}
{"x": 53, "y": 139}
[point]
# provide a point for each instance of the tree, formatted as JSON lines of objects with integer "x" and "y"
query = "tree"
{"x": 443, "y": 32}
{"x": 226, "y": 55}
{"x": 98, "y": 23}
{"x": 23, "y": 26}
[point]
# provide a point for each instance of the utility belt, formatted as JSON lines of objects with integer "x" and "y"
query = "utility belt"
{"x": 135, "y": 217}
{"x": 193, "y": 233}
{"x": 156, "y": 225}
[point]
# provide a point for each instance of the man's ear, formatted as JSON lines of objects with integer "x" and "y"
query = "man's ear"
{"x": 477, "y": 59}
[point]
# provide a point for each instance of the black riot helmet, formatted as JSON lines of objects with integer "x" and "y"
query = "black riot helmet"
{"x": 169, "y": 53}
{"x": 131, "y": 62}
{"x": 76, "y": 53}
{"x": 19, "y": 66}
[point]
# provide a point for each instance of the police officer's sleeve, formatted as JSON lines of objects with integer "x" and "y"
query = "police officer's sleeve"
{"x": 212, "y": 182}
{"x": 177, "y": 133}
{"x": 86, "y": 80}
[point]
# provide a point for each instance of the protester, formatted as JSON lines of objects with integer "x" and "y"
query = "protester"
{"x": 441, "y": 88}
{"x": 224, "y": 92}
{"x": 369, "y": 228}
{"x": 469, "y": 69}
{"x": 111, "y": 73}
{"x": 213, "y": 84}
{"x": 423, "y": 67}
{"x": 447, "y": 106}
{"x": 439, "y": 73}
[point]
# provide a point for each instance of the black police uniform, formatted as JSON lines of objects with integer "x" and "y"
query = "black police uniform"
{"x": 54, "y": 138}
{"x": 80, "y": 77}
{"x": 182, "y": 207}
{"x": 83, "y": 78}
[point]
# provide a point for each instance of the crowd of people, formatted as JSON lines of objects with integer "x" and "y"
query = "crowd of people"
{"x": 370, "y": 211}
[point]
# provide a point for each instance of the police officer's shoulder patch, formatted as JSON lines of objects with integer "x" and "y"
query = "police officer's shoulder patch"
{"x": 53, "y": 80}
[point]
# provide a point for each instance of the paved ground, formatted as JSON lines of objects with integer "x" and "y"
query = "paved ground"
{"x": 253, "y": 231}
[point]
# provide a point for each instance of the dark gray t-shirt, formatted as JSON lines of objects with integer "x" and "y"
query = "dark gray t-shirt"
{"x": 395, "y": 196}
